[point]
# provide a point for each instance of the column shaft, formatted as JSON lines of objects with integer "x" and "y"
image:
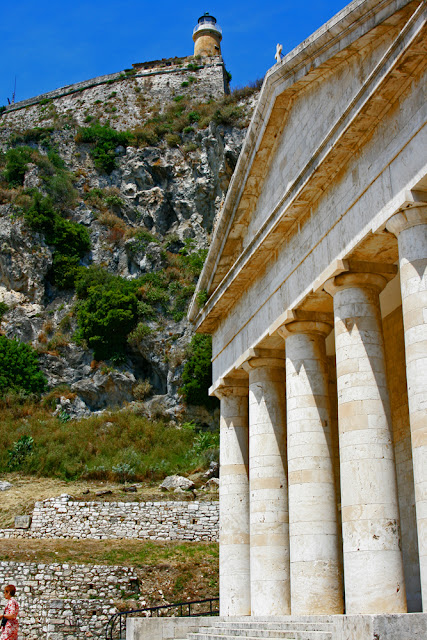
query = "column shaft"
{"x": 410, "y": 227}
{"x": 234, "y": 570}
{"x": 269, "y": 526}
{"x": 373, "y": 567}
{"x": 316, "y": 583}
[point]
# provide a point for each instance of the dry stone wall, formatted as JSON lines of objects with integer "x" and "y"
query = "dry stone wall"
{"x": 64, "y": 518}
{"x": 63, "y": 601}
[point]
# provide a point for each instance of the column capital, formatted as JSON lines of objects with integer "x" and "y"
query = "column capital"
{"x": 232, "y": 385}
{"x": 372, "y": 275}
{"x": 268, "y": 358}
{"x": 410, "y": 216}
{"x": 307, "y": 322}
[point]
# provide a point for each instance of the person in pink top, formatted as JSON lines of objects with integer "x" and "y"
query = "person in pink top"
{"x": 9, "y": 619}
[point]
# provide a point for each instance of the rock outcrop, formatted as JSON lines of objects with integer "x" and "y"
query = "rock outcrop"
{"x": 174, "y": 194}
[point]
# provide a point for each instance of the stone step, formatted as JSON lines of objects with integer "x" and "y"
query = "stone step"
{"x": 273, "y": 630}
{"x": 288, "y": 634}
{"x": 274, "y": 620}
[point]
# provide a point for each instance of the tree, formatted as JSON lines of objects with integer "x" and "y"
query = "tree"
{"x": 19, "y": 367}
{"x": 197, "y": 374}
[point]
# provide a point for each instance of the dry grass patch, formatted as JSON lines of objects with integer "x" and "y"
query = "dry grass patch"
{"x": 168, "y": 571}
{"x": 27, "y": 490}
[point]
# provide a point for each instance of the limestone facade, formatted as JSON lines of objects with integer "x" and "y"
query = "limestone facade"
{"x": 317, "y": 285}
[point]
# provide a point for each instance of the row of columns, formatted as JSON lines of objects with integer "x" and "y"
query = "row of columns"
{"x": 280, "y": 537}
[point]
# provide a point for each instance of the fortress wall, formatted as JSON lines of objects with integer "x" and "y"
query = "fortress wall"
{"x": 134, "y": 95}
{"x": 64, "y": 518}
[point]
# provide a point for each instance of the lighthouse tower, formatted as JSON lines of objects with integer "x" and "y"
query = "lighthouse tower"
{"x": 207, "y": 36}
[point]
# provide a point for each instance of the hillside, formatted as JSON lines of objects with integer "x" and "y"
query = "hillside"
{"x": 104, "y": 229}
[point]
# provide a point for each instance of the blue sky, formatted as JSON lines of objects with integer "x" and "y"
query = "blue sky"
{"x": 47, "y": 45}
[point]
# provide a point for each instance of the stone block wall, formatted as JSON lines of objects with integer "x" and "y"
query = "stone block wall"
{"x": 64, "y": 518}
{"x": 130, "y": 95}
{"x": 62, "y": 601}
{"x": 59, "y": 581}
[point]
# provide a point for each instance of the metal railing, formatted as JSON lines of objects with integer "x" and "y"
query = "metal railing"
{"x": 211, "y": 26}
{"x": 116, "y": 626}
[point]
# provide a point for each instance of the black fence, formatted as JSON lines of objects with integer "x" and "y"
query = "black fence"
{"x": 116, "y": 626}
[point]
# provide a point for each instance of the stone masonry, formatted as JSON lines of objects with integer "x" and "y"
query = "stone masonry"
{"x": 64, "y": 518}
{"x": 123, "y": 98}
{"x": 63, "y": 601}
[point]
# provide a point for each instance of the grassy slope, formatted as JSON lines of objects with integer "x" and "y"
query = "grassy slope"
{"x": 113, "y": 446}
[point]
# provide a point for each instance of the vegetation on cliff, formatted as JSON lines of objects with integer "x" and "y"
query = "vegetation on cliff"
{"x": 115, "y": 226}
{"x": 121, "y": 445}
{"x": 19, "y": 368}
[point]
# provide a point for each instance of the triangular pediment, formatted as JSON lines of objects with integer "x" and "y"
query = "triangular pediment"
{"x": 315, "y": 110}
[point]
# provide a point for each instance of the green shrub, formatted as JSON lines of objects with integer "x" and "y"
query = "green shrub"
{"x": 3, "y": 309}
{"x": 142, "y": 390}
{"x": 193, "y": 260}
{"x": 41, "y": 135}
{"x": 193, "y": 116}
{"x": 68, "y": 237}
{"x": 60, "y": 189}
{"x": 92, "y": 277}
{"x": 107, "y": 312}
{"x": 20, "y": 451}
{"x": 202, "y": 297}
{"x": 16, "y": 165}
{"x": 64, "y": 270}
{"x": 71, "y": 240}
{"x": 105, "y": 140}
{"x": 228, "y": 115}
{"x": 185, "y": 83}
{"x": 189, "y": 147}
{"x": 19, "y": 368}
{"x": 113, "y": 200}
{"x": 197, "y": 374}
{"x": 145, "y": 310}
{"x": 173, "y": 140}
{"x": 140, "y": 332}
{"x": 141, "y": 239}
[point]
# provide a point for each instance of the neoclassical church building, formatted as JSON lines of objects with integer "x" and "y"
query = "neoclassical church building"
{"x": 317, "y": 306}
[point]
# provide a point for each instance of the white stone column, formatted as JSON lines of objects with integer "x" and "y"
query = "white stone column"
{"x": 373, "y": 567}
{"x": 316, "y": 582}
{"x": 269, "y": 525}
{"x": 234, "y": 570}
{"x": 410, "y": 227}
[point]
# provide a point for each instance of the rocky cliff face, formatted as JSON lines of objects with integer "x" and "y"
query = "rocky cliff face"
{"x": 171, "y": 193}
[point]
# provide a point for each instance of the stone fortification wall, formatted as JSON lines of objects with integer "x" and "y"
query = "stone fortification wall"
{"x": 64, "y": 518}
{"x": 62, "y": 601}
{"x": 124, "y": 99}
